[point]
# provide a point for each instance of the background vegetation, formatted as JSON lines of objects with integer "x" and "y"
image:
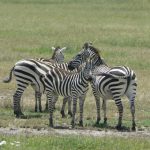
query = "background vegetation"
{"x": 120, "y": 29}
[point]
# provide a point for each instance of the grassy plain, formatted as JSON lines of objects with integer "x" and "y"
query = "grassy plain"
{"x": 120, "y": 29}
{"x": 74, "y": 143}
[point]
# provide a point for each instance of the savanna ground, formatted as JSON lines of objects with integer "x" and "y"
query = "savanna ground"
{"x": 120, "y": 29}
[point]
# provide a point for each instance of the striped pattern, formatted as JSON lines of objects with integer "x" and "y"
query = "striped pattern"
{"x": 28, "y": 72}
{"x": 63, "y": 83}
{"x": 57, "y": 56}
{"x": 109, "y": 83}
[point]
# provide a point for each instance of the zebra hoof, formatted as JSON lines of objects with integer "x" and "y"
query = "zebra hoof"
{"x": 105, "y": 121}
{"x": 70, "y": 113}
{"x": 72, "y": 124}
{"x": 19, "y": 114}
{"x": 118, "y": 127}
{"x": 63, "y": 114}
{"x": 97, "y": 123}
{"x": 133, "y": 128}
{"x": 81, "y": 123}
{"x": 51, "y": 123}
{"x": 36, "y": 110}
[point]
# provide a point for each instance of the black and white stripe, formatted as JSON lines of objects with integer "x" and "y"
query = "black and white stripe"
{"x": 109, "y": 83}
{"x": 27, "y": 72}
{"x": 57, "y": 56}
{"x": 63, "y": 83}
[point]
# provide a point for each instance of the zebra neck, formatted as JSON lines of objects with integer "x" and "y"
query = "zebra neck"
{"x": 82, "y": 77}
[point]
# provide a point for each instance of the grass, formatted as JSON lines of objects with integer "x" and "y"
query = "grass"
{"x": 120, "y": 29}
{"x": 74, "y": 143}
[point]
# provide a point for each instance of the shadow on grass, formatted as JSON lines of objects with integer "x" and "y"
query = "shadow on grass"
{"x": 61, "y": 127}
{"x": 106, "y": 126}
{"x": 30, "y": 116}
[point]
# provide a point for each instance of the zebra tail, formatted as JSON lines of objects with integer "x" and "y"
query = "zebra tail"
{"x": 8, "y": 79}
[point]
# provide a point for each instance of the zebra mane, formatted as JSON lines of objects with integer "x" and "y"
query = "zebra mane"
{"x": 95, "y": 50}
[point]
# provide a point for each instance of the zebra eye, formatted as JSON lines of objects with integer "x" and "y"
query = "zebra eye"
{"x": 79, "y": 55}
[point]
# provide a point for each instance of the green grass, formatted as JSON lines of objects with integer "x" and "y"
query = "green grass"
{"x": 74, "y": 143}
{"x": 120, "y": 29}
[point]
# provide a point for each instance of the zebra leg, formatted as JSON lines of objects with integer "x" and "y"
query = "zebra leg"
{"x": 63, "y": 107}
{"x": 46, "y": 105}
{"x": 55, "y": 98}
{"x": 132, "y": 108}
{"x": 98, "y": 110}
{"x": 69, "y": 106}
{"x": 74, "y": 111}
{"x": 54, "y": 101}
{"x": 120, "y": 110}
{"x": 131, "y": 93}
{"x": 97, "y": 100}
{"x": 16, "y": 103}
{"x": 36, "y": 102}
{"x": 81, "y": 104}
{"x": 38, "y": 105}
{"x": 51, "y": 108}
{"x": 104, "y": 110}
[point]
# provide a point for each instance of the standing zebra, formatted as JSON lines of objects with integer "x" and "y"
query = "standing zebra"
{"x": 57, "y": 57}
{"x": 27, "y": 72}
{"x": 109, "y": 83}
{"x": 75, "y": 85}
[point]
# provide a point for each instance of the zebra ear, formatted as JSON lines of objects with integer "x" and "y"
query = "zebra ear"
{"x": 64, "y": 48}
{"x": 53, "y": 48}
{"x": 87, "y": 44}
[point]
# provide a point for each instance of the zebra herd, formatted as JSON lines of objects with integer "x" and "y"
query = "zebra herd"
{"x": 71, "y": 80}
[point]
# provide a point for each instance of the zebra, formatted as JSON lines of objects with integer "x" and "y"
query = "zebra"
{"x": 27, "y": 72}
{"x": 109, "y": 83}
{"x": 57, "y": 56}
{"x": 75, "y": 85}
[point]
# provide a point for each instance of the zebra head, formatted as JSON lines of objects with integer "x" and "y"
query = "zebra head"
{"x": 88, "y": 51}
{"x": 97, "y": 60}
{"x": 58, "y": 55}
{"x": 87, "y": 69}
{"x": 79, "y": 59}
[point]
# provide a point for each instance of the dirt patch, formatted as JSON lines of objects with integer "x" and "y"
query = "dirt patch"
{"x": 78, "y": 132}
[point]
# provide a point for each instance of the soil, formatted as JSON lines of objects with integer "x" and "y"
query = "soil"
{"x": 78, "y": 132}
{"x": 142, "y": 132}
